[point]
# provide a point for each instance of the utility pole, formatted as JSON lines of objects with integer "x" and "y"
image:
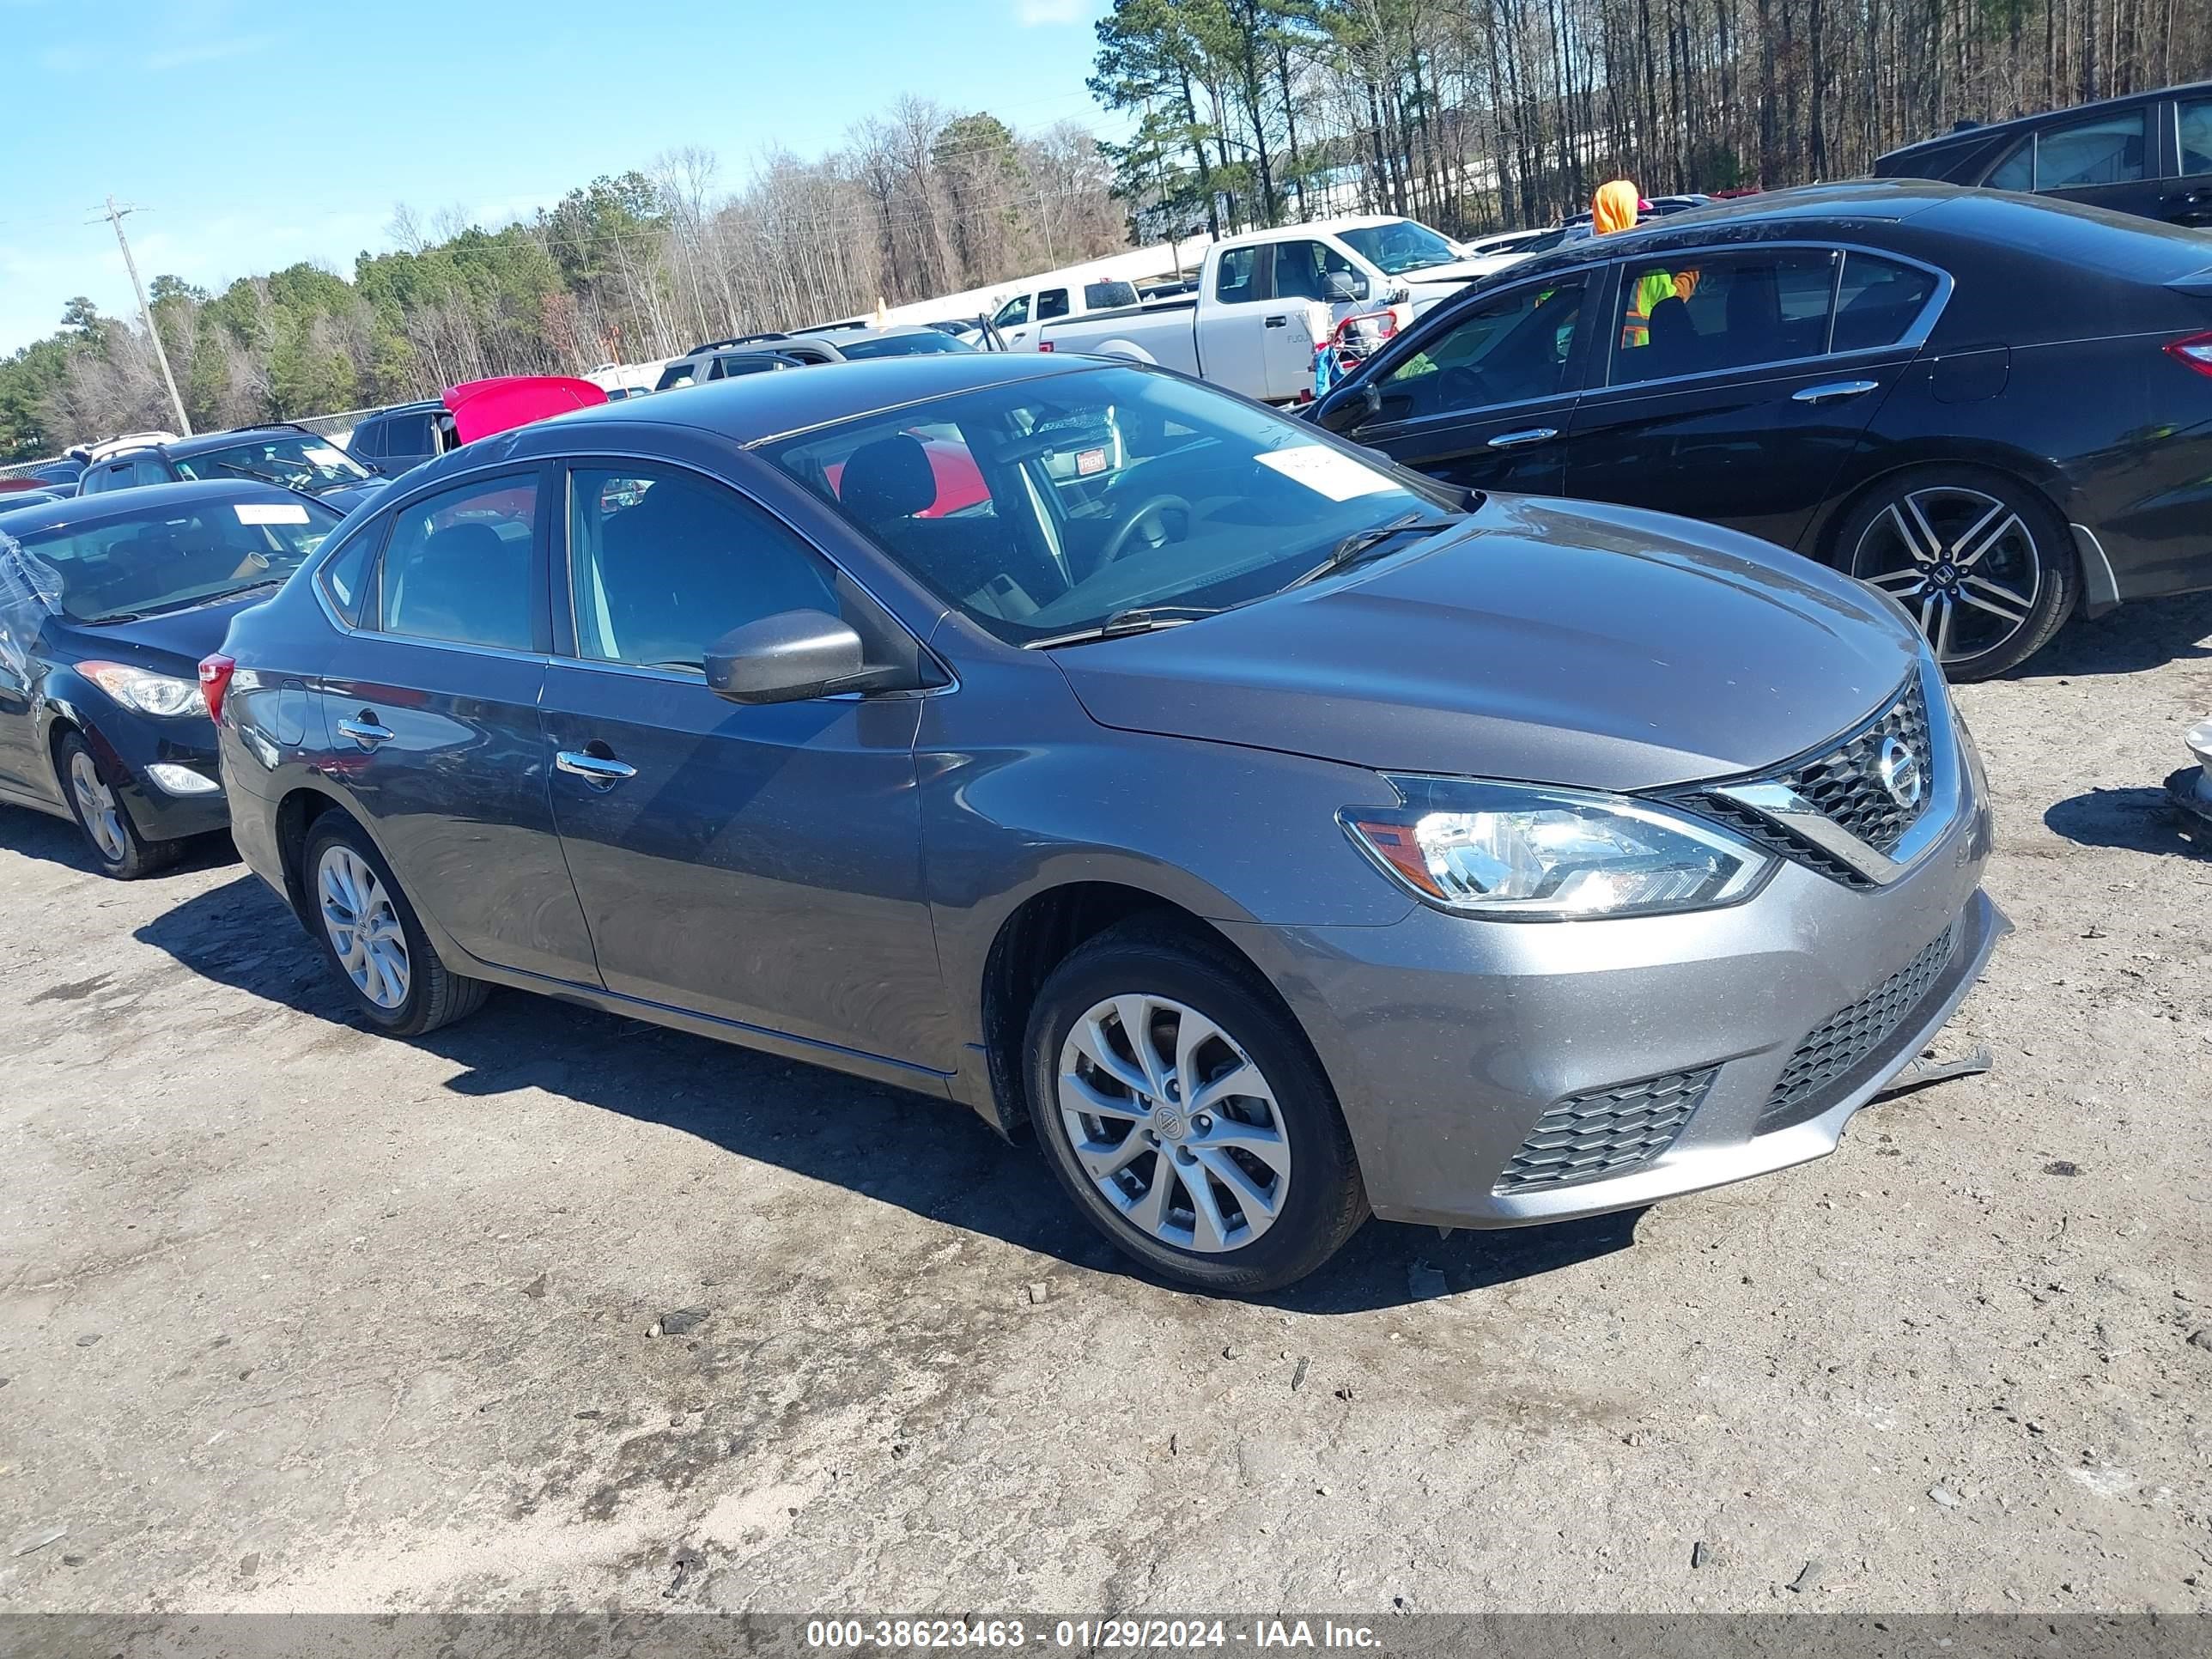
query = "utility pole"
{"x": 146, "y": 315}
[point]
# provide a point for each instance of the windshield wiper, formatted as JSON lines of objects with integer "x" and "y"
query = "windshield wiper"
{"x": 1137, "y": 619}
{"x": 1351, "y": 548}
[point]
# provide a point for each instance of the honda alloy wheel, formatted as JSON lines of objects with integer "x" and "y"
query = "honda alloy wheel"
{"x": 1982, "y": 563}
{"x": 1185, "y": 1113}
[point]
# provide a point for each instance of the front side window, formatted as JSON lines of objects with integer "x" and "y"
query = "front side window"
{"x": 1697, "y": 314}
{"x": 148, "y": 469}
{"x": 2016, "y": 171}
{"x": 1302, "y": 270}
{"x": 295, "y": 460}
{"x": 2109, "y": 150}
{"x": 409, "y": 434}
{"x": 1509, "y": 349}
{"x": 1043, "y": 508}
{"x": 367, "y": 442}
{"x": 661, "y": 564}
{"x": 1053, "y": 302}
{"x": 1013, "y": 313}
{"x": 1233, "y": 283}
{"x": 2195, "y": 136}
{"x": 142, "y": 566}
{"x": 458, "y": 565}
{"x": 1398, "y": 247}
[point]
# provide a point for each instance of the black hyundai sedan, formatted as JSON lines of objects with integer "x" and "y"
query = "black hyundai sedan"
{"x": 108, "y": 603}
{"x": 1995, "y": 409}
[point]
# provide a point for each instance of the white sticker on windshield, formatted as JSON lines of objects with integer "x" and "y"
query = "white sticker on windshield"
{"x": 324, "y": 455}
{"x": 1326, "y": 472}
{"x": 271, "y": 512}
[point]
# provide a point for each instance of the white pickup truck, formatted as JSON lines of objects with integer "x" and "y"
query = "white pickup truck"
{"x": 1266, "y": 300}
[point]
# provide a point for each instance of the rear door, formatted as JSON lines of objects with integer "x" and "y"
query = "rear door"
{"x": 1732, "y": 386}
{"x": 1486, "y": 401}
{"x": 2114, "y": 160}
{"x": 757, "y": 863}
{"x": 432, "y": 708}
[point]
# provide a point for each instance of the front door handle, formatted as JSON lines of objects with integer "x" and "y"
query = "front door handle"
{"x": 1279, "y": 322}
{"x": 600, "y": 771}
{"x": 365, "y": 730}
{"x": 1534, "y": 434}
{"x": 1830, "y": 391}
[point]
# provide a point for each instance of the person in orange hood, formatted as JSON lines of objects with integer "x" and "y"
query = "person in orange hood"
{"x": 1614, "y": 207}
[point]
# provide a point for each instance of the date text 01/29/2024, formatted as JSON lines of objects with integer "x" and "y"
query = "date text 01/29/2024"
{"x": 1087, "y": 1635}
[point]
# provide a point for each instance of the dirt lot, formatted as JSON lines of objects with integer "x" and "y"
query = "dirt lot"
{"x": 292, "y": 1316}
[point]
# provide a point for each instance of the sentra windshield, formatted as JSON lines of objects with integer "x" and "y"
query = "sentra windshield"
{"x": 1046, "y": 507}
{"x": 145, "y": 563}
{"x": 1399, "y": 246}
{"x": 298, "y": 461}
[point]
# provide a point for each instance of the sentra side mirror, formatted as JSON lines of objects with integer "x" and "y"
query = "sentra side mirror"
{"x": 790, "y": 657}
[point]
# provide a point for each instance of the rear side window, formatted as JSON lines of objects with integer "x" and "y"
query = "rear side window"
{"x": 1701, "y": 313}
{"x": 1106, "y": 296}
{"x": 1232, "y": 281}
{"x": 2109, "y": 150}
{"x": 458, "y": 566}
{"x": 345, "y": 578}
{"x": 1878, "y": 301}
{"x": 2195, "y": 136}
{"x": 1052, "y": 302}
{"x": 662, "y": 564}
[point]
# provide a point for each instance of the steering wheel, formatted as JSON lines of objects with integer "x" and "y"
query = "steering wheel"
{"x": 1150, "y": 509}
{"x": 1462, "y": 387}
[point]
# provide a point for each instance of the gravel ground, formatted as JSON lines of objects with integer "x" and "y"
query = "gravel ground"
{"x": 294, "y": 1317}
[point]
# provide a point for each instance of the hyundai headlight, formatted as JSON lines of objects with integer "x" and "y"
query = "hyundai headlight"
{"x": 161, "y": 695}
{"x": 1521, "y": 852}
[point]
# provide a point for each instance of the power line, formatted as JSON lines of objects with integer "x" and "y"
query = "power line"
{"x": 115, "y": 216}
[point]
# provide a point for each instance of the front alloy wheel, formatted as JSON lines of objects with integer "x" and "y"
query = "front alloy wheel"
{"x": 1981, "y": 564}
{"x": 1175, "y": 1125}
{"x": 97, "y": 809}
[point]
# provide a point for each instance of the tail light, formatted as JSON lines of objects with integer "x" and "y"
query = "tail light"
{"x": 1044, "y": 345}
{"x": 214, "y": 683}
{"x": 2195, "y": 352}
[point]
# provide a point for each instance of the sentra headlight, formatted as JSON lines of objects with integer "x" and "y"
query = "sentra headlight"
{"x": 163, "y": 694}
{"x": 1519, "y": 852}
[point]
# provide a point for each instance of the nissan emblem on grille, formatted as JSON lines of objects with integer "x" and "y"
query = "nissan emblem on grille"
{"x": 1901, "y": 774}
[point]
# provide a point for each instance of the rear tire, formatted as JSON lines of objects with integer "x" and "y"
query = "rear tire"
{"x": 372, "y": 937}
{"x": 1981, "y": 561}
{"x": 95, "y": 799}
{"x": 1261, "y": 1184}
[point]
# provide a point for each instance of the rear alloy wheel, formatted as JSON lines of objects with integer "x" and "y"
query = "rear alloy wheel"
{"x": 1983, "y": 563}
{"x": 374, "y": 937}
{"x": 95, "y": 801}
{"x": 1186, "y": 1114}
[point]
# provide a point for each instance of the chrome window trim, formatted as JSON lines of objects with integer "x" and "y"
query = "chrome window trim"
{"x": 1910, "y": 341}
{"x": 1945, "y": 773}
{"x": 388, "y": 510}
{"x": 561, "y": 573}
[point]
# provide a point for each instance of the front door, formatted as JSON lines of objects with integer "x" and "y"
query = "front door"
{"x": 1731, "y": 386}
{"x": 2188, "y": 199}
{"x": 1484, "y": 403}
{"x": 2110, "y": 161}
{"x": 432, "y": 715}
{"x": 760, "y": 864}
{"x": 1233, "y": 325}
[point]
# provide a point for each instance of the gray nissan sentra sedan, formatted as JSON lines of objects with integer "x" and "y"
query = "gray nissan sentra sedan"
{"x": 1278, "y": 835}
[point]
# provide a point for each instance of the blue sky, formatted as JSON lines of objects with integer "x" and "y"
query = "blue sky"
{"x": 257, "y": 135}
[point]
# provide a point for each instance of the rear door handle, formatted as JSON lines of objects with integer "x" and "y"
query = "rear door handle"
{"x": 1534, "y": 434}
{"x": 366, "y": 731}
{"x": 1832, "y": 391}
{"x": 1279, "y": 322}
{"x": 600, "y": 771}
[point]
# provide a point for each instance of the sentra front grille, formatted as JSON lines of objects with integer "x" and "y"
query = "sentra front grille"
{"x": 1840, "y": 1044}
{"x": 1846, "y": 785}
{"x": 1606, "y": 1133}
{"x": 1843, "y": 784}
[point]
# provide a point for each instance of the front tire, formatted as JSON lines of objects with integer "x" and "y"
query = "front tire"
{"x": 95, "y": 801}
{"x": 1186, "y": 1114}
{"x": 1983, "y": 562}
{"x": 373, "y": 938}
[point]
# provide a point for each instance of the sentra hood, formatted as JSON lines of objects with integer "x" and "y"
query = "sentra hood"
{"x": 1597, "y": 646}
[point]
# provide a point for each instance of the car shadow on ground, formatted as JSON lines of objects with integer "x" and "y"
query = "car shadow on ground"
{"x": 930, "y": 1156}
{"x": 2143, "y": 635}
{"x": 59, "y": 841}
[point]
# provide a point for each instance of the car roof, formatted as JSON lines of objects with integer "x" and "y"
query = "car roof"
{"x": 755, "y": 408}
{"x": 1982, "y": 131}
{"x": 419, "y": 406}
{"x": 146, "y": 501}
{"x": 200, "y": 442}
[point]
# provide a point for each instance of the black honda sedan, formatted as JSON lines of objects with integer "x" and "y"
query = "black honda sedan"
{"x": 1997, "y": 409}
{"x": 108, "y": 603}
